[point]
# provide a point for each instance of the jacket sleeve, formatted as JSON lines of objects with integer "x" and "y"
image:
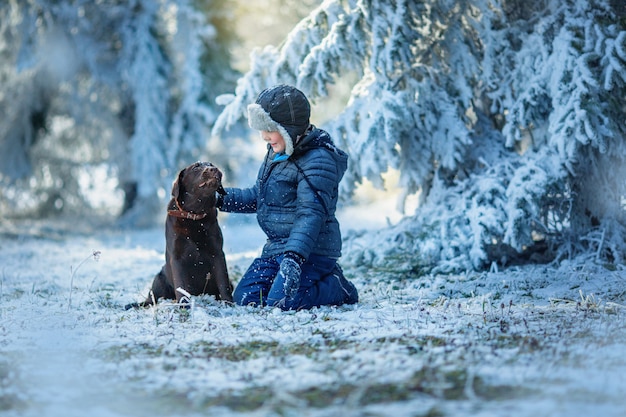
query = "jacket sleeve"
{"x": 240, "y": 200}
{"x": 311, "y": 213}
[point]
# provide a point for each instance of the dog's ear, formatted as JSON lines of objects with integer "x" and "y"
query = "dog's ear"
{"x": 221, "y": 190}
{"x": 178, "y": 184}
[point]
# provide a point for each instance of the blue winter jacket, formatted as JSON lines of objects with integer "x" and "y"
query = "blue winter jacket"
{"x": 295, "y": 199}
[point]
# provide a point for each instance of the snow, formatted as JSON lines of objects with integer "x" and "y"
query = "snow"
{"x": 528, "y": 341}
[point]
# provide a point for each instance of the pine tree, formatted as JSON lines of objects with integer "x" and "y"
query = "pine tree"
{"x": 506, "y": 116}
{"x": 122, "y": 86}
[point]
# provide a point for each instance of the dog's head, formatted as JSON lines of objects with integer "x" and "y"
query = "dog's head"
{"x": 200, "y": 180}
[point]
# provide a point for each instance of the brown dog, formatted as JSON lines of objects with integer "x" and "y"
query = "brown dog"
{"x": 194, "y": 258}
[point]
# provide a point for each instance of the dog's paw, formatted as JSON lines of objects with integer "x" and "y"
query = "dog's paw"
{"x": 136, "y": 305}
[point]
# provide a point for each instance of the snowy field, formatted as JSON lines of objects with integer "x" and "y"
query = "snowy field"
{"x": 532, "y": 341}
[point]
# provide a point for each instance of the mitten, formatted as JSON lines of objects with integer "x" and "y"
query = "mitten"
{"x": 290, "y": 271}
{"x": 219, "y": 200}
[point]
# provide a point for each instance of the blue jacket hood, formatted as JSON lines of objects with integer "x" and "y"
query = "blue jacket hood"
{"x": 319, "y": 138}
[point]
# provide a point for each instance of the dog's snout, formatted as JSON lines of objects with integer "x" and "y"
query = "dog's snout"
{"x": 212, "y": 171}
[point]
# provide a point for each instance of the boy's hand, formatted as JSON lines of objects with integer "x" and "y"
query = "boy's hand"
{"x": 290, "y": 271}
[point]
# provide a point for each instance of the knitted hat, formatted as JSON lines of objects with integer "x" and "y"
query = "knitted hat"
{"x": 283, "y": 109}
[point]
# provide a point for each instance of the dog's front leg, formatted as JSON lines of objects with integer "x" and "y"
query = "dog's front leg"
{"x": 179, "y": 281}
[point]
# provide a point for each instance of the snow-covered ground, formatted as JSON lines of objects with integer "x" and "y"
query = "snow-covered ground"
{"x": 533, "y": 341}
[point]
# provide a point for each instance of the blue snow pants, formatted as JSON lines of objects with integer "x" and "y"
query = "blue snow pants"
{"x": 321, "y": 283}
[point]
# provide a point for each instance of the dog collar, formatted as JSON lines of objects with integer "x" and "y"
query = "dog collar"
{"x": 182, "y": 214}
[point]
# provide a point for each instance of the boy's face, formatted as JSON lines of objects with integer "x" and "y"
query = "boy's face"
{"x": 275, "y": 140}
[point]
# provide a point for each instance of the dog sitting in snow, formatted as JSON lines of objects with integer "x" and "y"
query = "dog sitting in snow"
{"x": 194, "y": 258}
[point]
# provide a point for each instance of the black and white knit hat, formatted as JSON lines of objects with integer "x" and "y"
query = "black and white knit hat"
{"x": 283, "y": 109}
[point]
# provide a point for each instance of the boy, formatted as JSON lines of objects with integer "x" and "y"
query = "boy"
{"x": 295, "y": 198}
